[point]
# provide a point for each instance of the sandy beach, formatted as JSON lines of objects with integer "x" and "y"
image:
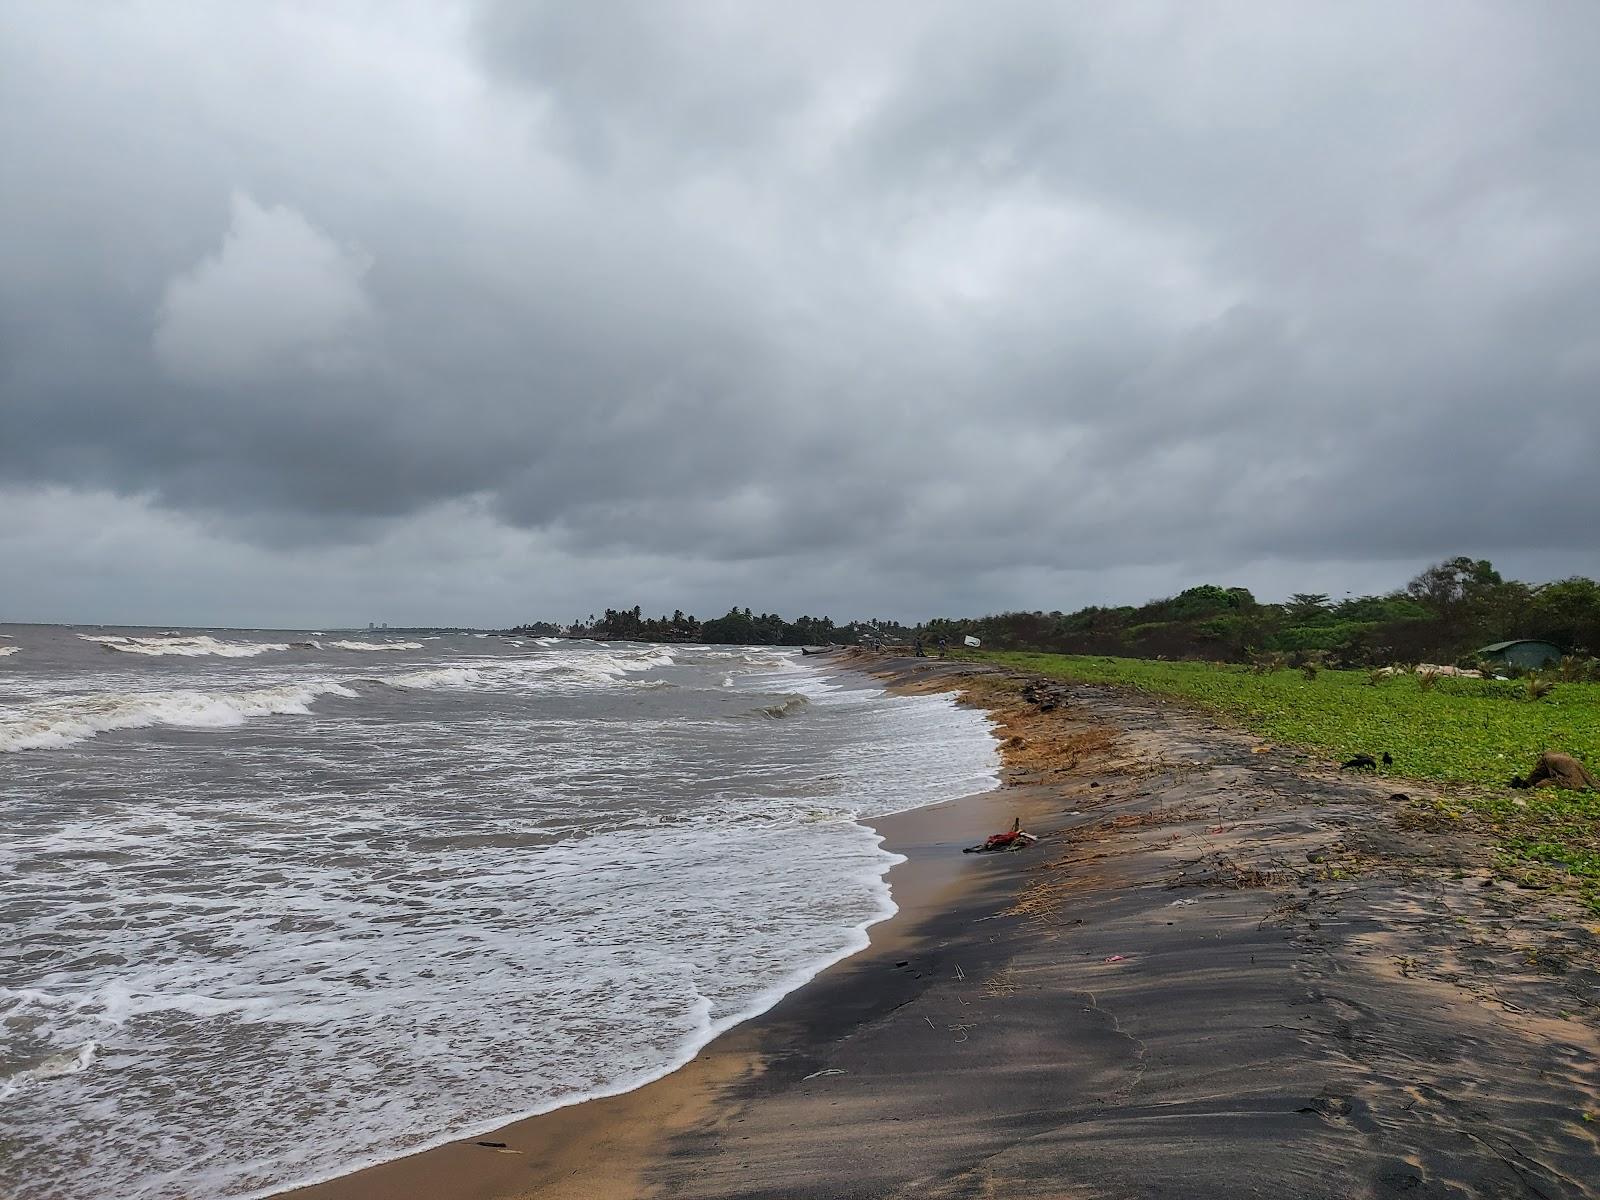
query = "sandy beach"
{"x": 1224, "y": 970}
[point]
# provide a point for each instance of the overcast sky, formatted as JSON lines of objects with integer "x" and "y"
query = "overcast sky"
{"x": 319, "y": 313}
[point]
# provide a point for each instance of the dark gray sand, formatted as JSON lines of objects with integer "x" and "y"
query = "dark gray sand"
{"x": 1225, "y": 971}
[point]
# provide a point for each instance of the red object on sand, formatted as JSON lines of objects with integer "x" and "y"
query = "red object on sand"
{"x": 1000, "y": 839}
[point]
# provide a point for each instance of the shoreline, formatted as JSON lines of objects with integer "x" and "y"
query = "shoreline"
{"x": 927, "y": 839}
{"x": 1225, "y": 968}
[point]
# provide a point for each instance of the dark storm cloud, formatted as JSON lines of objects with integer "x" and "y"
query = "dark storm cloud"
{"x": 907, "y": 307}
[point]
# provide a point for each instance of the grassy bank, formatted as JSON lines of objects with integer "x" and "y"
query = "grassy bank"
{"x": 1470, "y": 732}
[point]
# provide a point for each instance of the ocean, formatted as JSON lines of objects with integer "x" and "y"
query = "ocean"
{"x": 280, "y": 905}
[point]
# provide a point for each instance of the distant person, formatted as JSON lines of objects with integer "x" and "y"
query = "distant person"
{"x": 942, "y": 645}
{"x": 917, "y": 646}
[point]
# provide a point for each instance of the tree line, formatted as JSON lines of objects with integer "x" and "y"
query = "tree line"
{"x": 1445, "y": 614}
{"x": 740, "y": 627}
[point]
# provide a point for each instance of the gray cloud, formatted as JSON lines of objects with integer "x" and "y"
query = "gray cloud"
{"x": 914, "y": 309}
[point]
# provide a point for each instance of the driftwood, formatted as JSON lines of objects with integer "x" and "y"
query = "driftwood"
{"x": 1015, "y": 839}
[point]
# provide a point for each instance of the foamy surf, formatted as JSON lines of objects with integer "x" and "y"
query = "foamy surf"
{"x": 53, "y": 1066}
{"x": 53, "y": 724}
{"x": 198, "y": 646}
{"x": 298, "y": 941}
{"x": 380, "y": 646}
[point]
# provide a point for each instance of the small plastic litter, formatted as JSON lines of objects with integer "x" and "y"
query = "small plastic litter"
{"x": 1181, "y": 903}
{"x": 1116, "y": 958}
{"x": 829, "y": 1071}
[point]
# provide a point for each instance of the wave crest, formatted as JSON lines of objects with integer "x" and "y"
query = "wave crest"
{"x": 53, "y": 724}
{"x": 67, "y": 1062}
{"x": 787, "y": 707}
{"x": 183, "y": 646}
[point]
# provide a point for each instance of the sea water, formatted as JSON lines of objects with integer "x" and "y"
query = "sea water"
{"x": 280, "y": 905}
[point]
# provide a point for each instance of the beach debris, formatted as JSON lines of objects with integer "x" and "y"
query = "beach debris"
{"x": 822, "y": 1074}
{"x": 491, "y": 1145}
{"x": 1181, "y": 903}
{"x": 1115, "y": 958}
{"x": 1557, "y": 770}
{"x": 1013, "y": 839}
{"x": 1047, "y": 696}
{"x": 1429, "y": 669}
{"x": 1361, "y": 762}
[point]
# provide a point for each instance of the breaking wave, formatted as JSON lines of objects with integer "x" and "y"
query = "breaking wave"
{"x": 369, "y": 645}
{"x": 589, "y": 668}
{"x": 57, "y": 723}
{"x": 437, "y": 677}
{"x": 787, "y": 707}
{"x": 199, "y": 645}
{"x": 186, "y": 647}
{"x": 52, "y": 724}
{"x": 68, "y": 1062}
{"x": 5, "y": 650}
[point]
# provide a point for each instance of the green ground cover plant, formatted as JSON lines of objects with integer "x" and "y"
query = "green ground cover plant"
{"x": 1475, "y": 733}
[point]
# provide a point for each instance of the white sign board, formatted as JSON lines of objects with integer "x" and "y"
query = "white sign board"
{"x": 972, "y": 641}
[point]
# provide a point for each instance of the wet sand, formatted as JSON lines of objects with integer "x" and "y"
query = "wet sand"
{"x": 1225, "y": 970}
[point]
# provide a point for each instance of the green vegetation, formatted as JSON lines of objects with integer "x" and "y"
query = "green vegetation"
{"x": 1471, "y": 732}
{"x": 740, "y": 627}
{"x": 1443, "y": 615}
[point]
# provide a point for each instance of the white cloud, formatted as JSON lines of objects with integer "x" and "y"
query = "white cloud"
{"x": 279, "y": 293}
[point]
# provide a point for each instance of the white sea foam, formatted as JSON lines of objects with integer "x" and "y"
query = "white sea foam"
{"x": 436, "y": 677}
{"x": 52, "y": 724}
{"x": 53, "y": 1066}
{"x": 300, "y": 959}
{"x": 344, "y": 645}
{"x": 586, "y": 667}
{"x": 5, "y": 650}
{"x": 200, "y": 645}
